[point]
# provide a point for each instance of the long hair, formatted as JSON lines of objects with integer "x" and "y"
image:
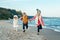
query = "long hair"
{"x": 39, "y": 11}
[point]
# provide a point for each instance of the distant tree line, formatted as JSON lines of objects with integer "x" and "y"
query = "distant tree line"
{"x": 8, "y": 13}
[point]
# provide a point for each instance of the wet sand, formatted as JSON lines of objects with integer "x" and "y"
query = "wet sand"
{"x": 7, "y": 32}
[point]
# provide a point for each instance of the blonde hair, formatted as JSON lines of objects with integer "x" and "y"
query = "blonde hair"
{"x": 38, "y": 12}
{"x": 15, "y": 16}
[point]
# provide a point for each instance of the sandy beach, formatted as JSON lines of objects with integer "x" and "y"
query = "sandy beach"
{"x": 7, "y": 33}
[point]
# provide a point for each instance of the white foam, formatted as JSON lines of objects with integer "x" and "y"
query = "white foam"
{"x": 56, "y": 30}
{"x": 43, "y": 26}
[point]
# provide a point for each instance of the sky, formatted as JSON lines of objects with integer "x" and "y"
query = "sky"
{"x": 49, "y": 8}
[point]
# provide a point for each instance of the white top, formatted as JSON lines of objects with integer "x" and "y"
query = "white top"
{"x": 15, "y": 22}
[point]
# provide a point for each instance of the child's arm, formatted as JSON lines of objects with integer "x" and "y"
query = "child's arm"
{"x": 21, "y": 18}
{"x": 33, "y": 18}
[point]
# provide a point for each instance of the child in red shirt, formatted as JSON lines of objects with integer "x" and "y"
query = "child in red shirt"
{"x": 38, "y": 20}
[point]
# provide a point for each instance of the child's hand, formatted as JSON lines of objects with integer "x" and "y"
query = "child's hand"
{"x": 43, "y": 25}
{"x": 21, "y": 18}
{"x": 30, "y": 20}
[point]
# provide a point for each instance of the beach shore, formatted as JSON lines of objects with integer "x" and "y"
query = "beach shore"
{"x": 7, "y": 32}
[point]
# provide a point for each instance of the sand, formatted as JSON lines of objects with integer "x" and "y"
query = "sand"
{"x": 7, "y": 32}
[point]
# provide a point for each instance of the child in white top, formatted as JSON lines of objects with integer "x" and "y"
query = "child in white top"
{"x": 15, "y": 22}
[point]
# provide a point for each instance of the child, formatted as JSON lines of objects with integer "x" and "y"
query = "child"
{"x": 15, "y": 22}
{"x": 24, "y": 18}
{"x": 38, "y": 20}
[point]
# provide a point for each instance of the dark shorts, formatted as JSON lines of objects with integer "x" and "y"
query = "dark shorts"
{"x": 39, "y": 27}
{"x": 25, "y": 26}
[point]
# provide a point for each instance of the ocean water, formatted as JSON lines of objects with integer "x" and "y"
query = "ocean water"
{"x": 50, "y": 23}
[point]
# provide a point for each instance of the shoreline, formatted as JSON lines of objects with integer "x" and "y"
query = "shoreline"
{"x": 7, "y": 31}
